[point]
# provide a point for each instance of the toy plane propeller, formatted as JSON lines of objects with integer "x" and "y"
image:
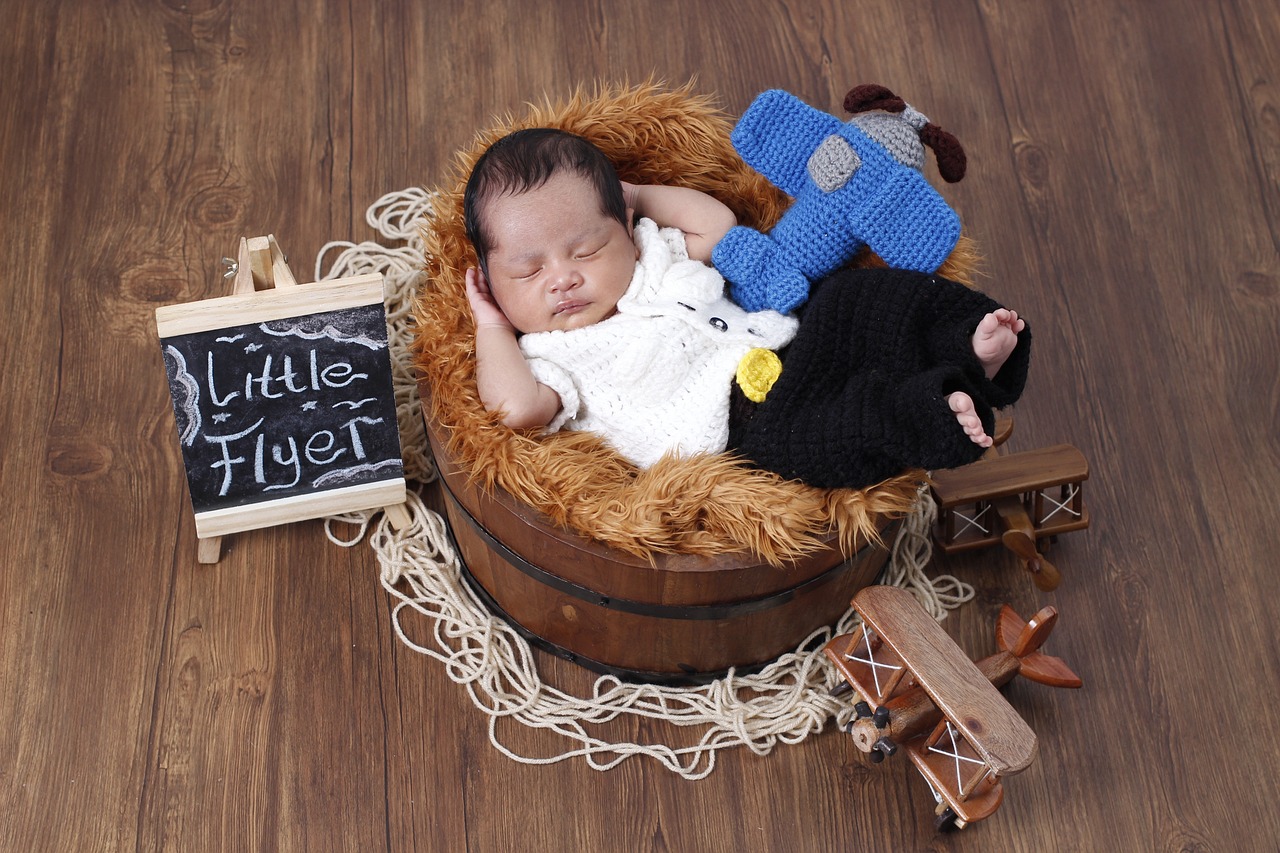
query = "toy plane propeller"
{"x": 919, "y": 691}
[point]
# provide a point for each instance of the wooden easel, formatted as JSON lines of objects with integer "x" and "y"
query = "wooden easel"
{"x": 261, "y": 265}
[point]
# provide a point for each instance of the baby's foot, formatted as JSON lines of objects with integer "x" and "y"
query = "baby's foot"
{"x": 995, "y": 338}
{"x": 962, "y": 404}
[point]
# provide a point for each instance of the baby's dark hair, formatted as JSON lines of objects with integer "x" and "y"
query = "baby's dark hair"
{"x": 525, "y": 160}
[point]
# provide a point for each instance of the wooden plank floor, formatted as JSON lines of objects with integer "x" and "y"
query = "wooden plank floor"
{"x": 1124, "y": 186}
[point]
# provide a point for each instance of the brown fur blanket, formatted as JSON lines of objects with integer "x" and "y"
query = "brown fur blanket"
{"x": 706, "y": 505}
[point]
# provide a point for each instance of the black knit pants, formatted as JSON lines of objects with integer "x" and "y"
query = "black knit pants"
{"x": 864, "y": 385}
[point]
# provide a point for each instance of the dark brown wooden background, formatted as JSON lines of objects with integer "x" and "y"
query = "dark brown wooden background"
{"x": 1124, "y": 185}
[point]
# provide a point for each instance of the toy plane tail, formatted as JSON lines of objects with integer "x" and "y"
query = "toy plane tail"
{"x": 1024, "y": 639}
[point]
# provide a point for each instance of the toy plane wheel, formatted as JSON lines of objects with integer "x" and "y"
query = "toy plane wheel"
{"x": 946, "y": 821}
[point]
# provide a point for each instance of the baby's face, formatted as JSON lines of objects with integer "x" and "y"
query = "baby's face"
{"x": 557, "y": 261}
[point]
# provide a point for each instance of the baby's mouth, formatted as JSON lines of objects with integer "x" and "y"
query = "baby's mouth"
{"x": 570, "y": 307}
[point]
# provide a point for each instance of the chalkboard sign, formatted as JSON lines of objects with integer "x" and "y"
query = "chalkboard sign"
{"x": 284, "y": 403}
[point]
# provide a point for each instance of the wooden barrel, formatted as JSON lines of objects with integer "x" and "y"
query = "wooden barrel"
{"x": 682, "y": 620}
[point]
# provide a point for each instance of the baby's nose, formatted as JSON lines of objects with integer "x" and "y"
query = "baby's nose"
{"x": 566, "y": 277}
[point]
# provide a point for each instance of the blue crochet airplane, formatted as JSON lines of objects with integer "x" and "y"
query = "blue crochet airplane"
{"x": 855, "y": 183}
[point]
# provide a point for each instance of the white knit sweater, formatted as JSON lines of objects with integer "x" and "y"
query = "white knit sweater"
{"x": 655, "y": 377}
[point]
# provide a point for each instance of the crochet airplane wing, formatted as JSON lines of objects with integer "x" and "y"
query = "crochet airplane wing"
{"x": 776, "y": 135}
{"x": 905, "y": 221}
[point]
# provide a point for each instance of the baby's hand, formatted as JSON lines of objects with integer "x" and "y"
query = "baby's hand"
{"x": 630, "y": 199}
{"x": 484, "y": 309}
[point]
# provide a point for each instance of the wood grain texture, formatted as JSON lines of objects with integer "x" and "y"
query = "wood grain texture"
{"x": 1124, "y": 186}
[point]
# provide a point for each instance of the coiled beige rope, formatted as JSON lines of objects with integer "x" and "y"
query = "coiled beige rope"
{"x": 784, "y": 703}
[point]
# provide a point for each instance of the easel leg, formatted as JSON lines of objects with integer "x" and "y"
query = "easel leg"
{"x": 398, "y": 516}
{"x": 209, "y": 550}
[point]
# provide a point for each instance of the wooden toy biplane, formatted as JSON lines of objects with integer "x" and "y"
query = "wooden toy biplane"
{"x": 918, "y": 690}
{"x": 1014, "y": 499}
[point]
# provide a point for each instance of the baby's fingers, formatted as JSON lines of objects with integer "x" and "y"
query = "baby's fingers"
{"x": 477, "y": 287}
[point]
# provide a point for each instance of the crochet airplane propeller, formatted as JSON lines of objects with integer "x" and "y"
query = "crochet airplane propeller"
{"x": 855, "y": 183}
